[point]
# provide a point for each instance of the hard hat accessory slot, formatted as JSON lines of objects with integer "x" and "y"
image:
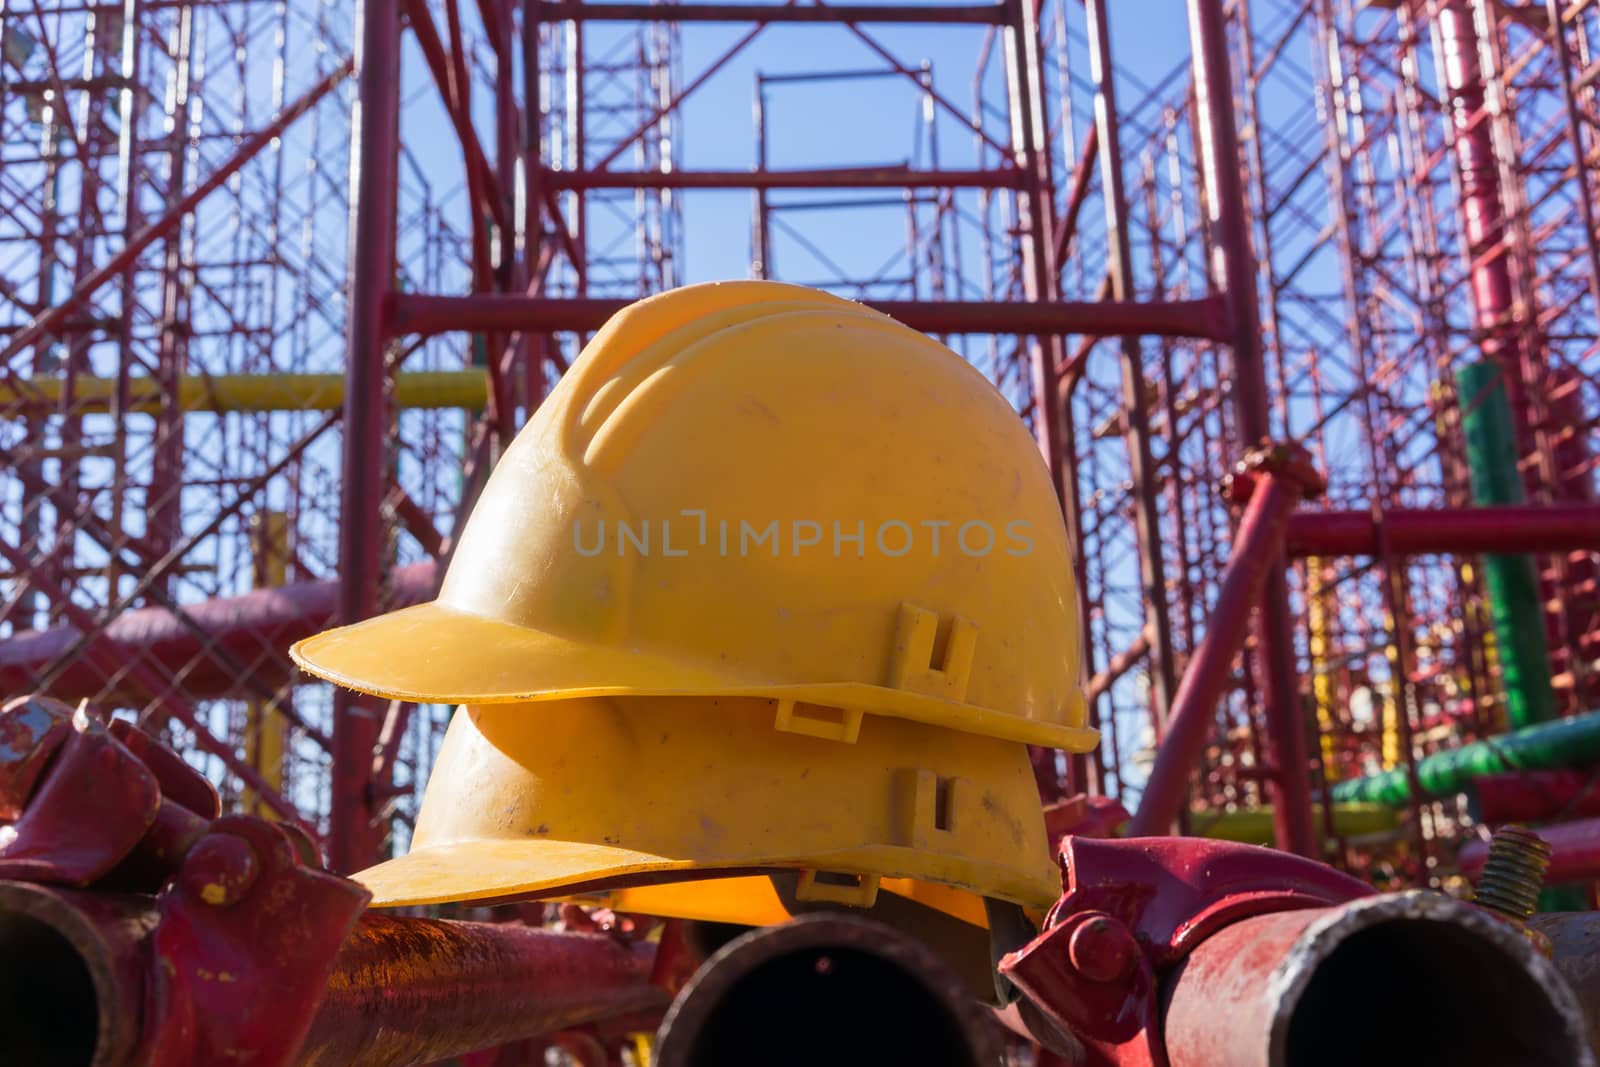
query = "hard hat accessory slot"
{"x": 926, "y": 806}
{"x": 818, "y": 720}
{"x": 837, "y": 887}
{"x": 932, "y": 656}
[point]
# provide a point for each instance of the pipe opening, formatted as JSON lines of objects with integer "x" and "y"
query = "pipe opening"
{"x": 830, "y": 1005}
{"x": 49, "y": 1009}
{"x": 1410, "y": 991}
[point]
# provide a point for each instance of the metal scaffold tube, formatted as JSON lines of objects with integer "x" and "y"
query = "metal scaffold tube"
{"x": 1254, "y": 825}
{"x": 356, "y": 833}
{"x": 1534, "y": 796}
{"x": 1570, "y": 742}
{"x": 466, "y": 389}
{"x": 1278, "y": 991}
{"x": 402, "y": 991}
{"x": 410, "y": 991}
{"x": 296, "y": 274}
{"x": 205, "y": 642}
{"x": 1512, "y": 581}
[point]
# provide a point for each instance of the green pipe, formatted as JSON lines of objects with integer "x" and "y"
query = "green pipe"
{"x": 1253, "y": 826}
{"x": 1572, "y": 742}
{"x": 1512, "y": 582}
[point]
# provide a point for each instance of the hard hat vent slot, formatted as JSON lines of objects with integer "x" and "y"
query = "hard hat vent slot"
{"x": 818, "y": 720}
{"x": 932, "y": 655}
{"x": 943, "y": 805}
{"x": 837, "y": 887}
{"x": 927, "y": 806}
{"x": 941, "y": 644}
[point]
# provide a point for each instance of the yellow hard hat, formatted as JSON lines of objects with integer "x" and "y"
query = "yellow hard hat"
{"x": 753, "y": 489}
{"x": 595, "y": 794}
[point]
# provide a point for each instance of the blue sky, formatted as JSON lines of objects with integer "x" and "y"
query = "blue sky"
{"x": 850, "y": 122}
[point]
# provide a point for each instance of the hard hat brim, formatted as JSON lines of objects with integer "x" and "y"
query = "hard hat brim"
{"x": 509, "y": 869}
{"x": 434, "y": 654}
{"x": 753, "y": 900}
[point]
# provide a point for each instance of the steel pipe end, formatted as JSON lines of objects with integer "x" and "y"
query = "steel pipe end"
{"x": 72, "y": 987}
{"x": 827, "y": 989}
{"x": 1384, "y": 981}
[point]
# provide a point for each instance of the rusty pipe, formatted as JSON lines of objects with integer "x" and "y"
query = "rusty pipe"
{"x": 1256, "y": 550}
{"x": 72, "y": 978}
{"x": 831, "y": 989}
{"x": 1383, "y": 981}
{"x": 410, "y": 991}
{"x": 1575, "y": 951}
{"x": 76, "y": 979}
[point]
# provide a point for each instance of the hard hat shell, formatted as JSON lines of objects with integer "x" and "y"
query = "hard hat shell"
{"x": 593, "y": 794}
{"x": 761, "y": 490}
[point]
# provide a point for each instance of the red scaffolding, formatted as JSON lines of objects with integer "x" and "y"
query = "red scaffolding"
{"x": 1296, "y": 234}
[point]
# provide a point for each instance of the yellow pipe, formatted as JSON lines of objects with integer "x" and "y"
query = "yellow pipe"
{"x": 266, "y": 732}
{"x": 1253, "y": 826}
{"x": 1321, "y": 680}
{"x": 468, "y": 389}
{"x": 1391, "y": 707}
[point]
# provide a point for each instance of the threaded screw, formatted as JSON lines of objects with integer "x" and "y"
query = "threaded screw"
{"x": 1514, "y": 872}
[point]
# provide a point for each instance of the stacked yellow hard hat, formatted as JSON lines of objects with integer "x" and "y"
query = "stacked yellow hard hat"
{"x": 770, "y": 583}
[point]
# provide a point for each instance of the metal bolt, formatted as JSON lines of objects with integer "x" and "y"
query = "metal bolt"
{"x": 1514, "y": 872}
{"x": 220, "y": 869}
{"x": 1102, "y": 950}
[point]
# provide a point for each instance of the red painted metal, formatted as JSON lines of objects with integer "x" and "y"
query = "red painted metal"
{"x": 1084, "y": 816}
{"x": 250, "y": 955}
{"x": 1535, "y": 796}
{"x": 1135, "y": 393}
{"x": 230, "y": 958}
{"x": 67, "y": 834}
{"x": 762, "y": 14}
{"x": 1423, "y": 531}
{"x": 1120, "y": 664}
{"x": 1574, "y": 852}
{"x": 1279, "y": 486}
{"x": 104, "y": 935}
{"x": 409, "y": 990}
{"x": 1172, "y": 952}
{"x": 1483, "y": 207}
{"x": 32, "y": 730}
{"x": 1276, "y": 990}
{"x": 354, "y": 834}
{"x": 249, "y": 952}
{"x": 226, "y": 938}
{"x": 810, "y": 984}
{"x": 439, "y": 61}
{"x": 831, "y": 178}
{"x": 1234, "y": 272}
{"x": 47, "y": 322}
{"x": 164, "y": 696}
{"x": 1077, "y": 192}
{"x": 204, "y": 645}
{"x": 1163, "y": 896}
{"x": 1556, "y": 18}
{"x": 423, "y": 314}
{"x": 1574, "y": 938}
{"x": 244, "y": 944}
{"x": 1040, "y": 274}
{"x": 146, "y": 807}
{"x": 1448, "y": 211}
